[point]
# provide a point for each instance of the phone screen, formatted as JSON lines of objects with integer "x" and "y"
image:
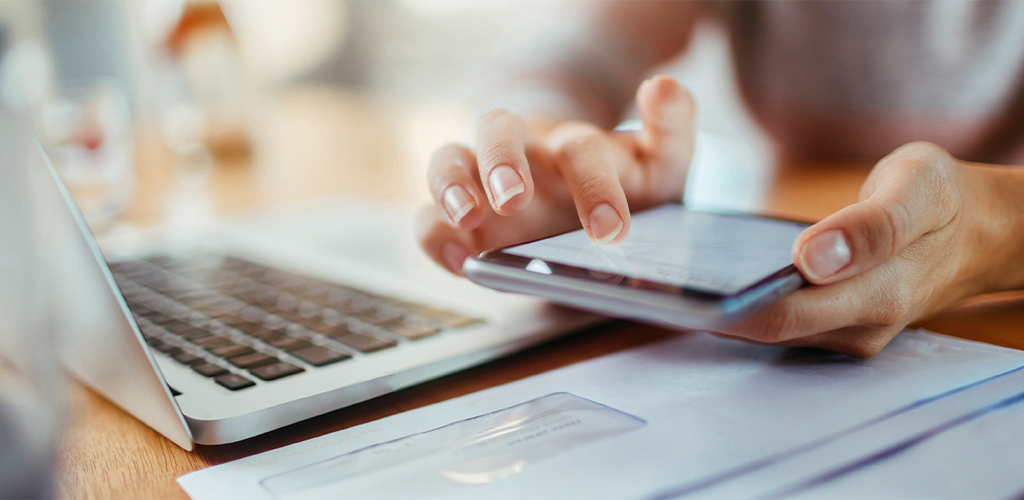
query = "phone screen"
{"x": 715, "y": 253}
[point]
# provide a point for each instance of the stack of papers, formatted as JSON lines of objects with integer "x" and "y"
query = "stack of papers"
{"x": 697, "y": 416}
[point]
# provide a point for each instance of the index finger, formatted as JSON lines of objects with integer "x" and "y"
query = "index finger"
{"x": 502, "y": 139}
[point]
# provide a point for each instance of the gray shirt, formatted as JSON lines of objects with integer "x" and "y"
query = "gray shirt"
{"x": 854, "y": 80}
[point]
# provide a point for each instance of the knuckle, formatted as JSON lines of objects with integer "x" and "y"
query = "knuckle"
{"x": 864, "y": 349}
{"x": 894, "y": 306}
{"x": 443, "y": 158}
{"x": 873, "y": 341}
{"x": 777, "y": 326}
{"x": 582, "y": 146}
{"x": 883, "y": 238}
{"x": 591, "y": 185}
{"x": 922, "y": 152}
{"x": 930, "y": 197}
{"x": 495, "y": 115}
{"x": 501, "y": 151}
{"x": 919, "y": 159}
{"x": 577, "y": 138}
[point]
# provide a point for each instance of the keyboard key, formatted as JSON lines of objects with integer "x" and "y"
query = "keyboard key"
{"x": 186, "y": 358}
{"x": 209, "y": 369}
{"x": 194, "y": 333}
{"x": 138, "y": 310}
{"x": 319, "y": 356}
{"x": 242, "y": 325}
{"x": 411, "y": 331}
{"x": 177, "y": 327}
{"x": 275, "y": 371}
{"x": 267, "y": 334}
{"x": 210, "y": 341}
{"x": 374, "y": 317}
{"x": 234, "y": 382}
{"x": 249, "y": 327}
{"x": 168, "y": 349}
{"x": 227, "y": 351}
{"x": 252, "y": 359}
{"x": 290, "y": 343}
{"x": 150, "y": 331}
{"x": 231, "y": 320}
{"x": 364, "y": 343}
{"x": 159, "y": 318}
{"x": 342, "y": 307}
{"x": 332, "y": 330}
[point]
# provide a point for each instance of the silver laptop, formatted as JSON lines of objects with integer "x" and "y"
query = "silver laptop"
{"x": 263, "y": 322}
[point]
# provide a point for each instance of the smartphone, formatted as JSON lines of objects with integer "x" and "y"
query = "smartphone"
{"x": 678, "y": 267}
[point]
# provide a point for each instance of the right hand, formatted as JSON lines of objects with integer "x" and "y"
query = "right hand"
{"x": 535, "y": 178}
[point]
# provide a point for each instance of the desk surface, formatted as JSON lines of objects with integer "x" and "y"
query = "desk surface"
{"x": 325, "y": 140}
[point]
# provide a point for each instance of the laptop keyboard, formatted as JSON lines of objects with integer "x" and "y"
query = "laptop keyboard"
{"x": 236, "y": 321}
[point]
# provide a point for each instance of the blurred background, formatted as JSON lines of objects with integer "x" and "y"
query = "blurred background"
{"x": 166, "y": 112}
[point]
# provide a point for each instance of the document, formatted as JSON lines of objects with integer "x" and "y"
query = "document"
{"x": 977, "y": 456}
{"x": 692, "y": 416}
{"x": 879, "y": 455}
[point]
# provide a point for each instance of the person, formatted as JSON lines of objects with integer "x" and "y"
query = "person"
{"x": 932, "y": 91}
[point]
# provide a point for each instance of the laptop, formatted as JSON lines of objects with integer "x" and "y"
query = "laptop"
{"x": 265, "y": 321}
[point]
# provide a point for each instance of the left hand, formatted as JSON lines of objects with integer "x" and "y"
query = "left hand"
{"x": 928, "y": 230}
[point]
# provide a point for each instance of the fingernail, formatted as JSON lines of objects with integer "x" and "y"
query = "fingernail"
{"x": 825, "y": 255}
{"x": 605, "y": 224}
{"x": 457, "y": 202}
{"x": 505, "y": 184}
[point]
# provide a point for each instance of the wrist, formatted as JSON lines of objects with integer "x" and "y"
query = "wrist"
{"x": 996, "y": 236}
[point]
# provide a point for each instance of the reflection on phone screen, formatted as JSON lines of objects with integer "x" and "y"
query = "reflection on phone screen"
{"x": 715, "y": 253}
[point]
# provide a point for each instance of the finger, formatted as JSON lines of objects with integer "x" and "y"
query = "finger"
{"x": 502, "y": 138}
{"x": 855, "y": 341}
{"x": 446, "y": 245}
{"x": 873, "y": 301}
{"x": 667, "y": 138}
{"x": 455, "y": 191}
{"x": 910, "y": 193}
{"x": 806, "y": 312}
{"x": 590, "y": 163}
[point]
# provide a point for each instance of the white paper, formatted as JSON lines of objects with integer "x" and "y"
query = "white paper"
{"x": 978, "y": 457}
{"x": 877, "y": 454}
{"x": 711, "y": 406}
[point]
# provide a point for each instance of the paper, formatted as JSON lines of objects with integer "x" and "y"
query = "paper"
{"x": 478, "y": 450}
{"x": 890, "y": 443}
{"x": 711, "y": 407}
{"x": 979, "y": 457}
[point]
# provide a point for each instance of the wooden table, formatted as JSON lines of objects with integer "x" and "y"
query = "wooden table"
{"x": 329, "y": 140}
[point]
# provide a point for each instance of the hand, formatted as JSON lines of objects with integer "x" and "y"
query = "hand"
{"x": 522, "y": 184}
{"x": 929, "y": 230}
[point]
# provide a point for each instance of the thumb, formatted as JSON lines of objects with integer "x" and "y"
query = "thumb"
{"x": 909, "y": 193}
{"x": 668, "y": 113}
